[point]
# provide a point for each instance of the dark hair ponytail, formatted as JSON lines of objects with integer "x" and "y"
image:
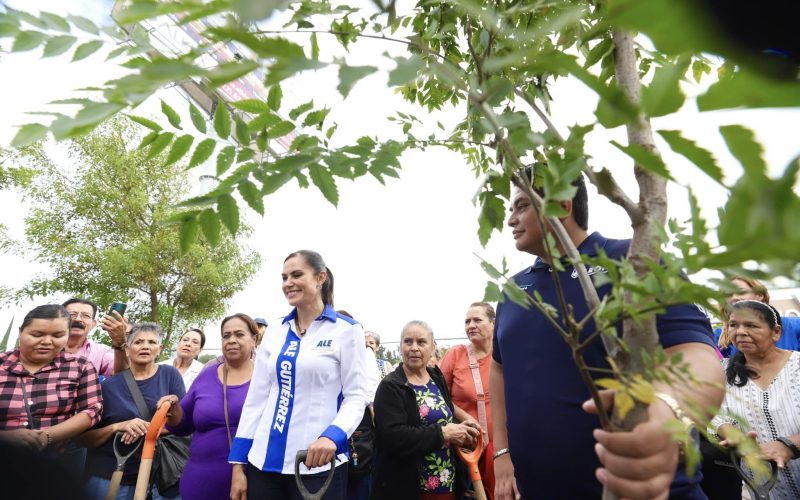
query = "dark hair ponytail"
{"x": 315, "y": 262}
{"x": 737, "y": 373}
{"x": 48, "y": 311}
{"x": 327, "y": 288}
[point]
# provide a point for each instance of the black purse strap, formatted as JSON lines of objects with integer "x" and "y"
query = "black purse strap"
{"x": 137, "y": 395}
{"x": 31, "y": 421}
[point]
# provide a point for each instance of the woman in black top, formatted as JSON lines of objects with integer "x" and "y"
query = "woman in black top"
{"x": 415, "y": 427}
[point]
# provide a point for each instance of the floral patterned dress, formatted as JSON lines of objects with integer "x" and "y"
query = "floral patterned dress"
{"x": 436, "y": 469}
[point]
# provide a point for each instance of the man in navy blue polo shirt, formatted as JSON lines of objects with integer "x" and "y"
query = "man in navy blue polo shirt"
{"x": 547, "y": 445}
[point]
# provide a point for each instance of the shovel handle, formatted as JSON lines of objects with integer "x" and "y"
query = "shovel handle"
{"x": 113, "y": 486}
{"x": 307, "y": 495}
{"x": 471, "y": 459}
{"x": 143, "y": 480}
{"x": 477, "y": 485}
{"x": 148, "y": 451}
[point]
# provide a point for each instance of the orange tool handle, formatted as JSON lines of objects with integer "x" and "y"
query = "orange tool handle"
{"x": 153, "y": 431}
{"x": 471, "y": 458}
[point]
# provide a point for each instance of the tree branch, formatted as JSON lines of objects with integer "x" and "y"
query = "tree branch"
{"x": 605, "y": 183}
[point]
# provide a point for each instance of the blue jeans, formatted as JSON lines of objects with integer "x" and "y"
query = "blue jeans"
{"x": 96, "y": 488}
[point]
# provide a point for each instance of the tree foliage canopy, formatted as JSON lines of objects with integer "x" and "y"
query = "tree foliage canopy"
{"x": 99, "y": 226}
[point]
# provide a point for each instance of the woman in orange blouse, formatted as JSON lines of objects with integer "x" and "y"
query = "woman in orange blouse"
{"x": 466, "y": 371}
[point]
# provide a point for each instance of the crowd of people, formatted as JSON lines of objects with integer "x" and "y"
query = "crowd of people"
{"x": 314, "y": 383}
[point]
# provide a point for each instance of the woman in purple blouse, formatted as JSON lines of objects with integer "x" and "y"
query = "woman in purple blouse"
{"x": 211, "y": 410}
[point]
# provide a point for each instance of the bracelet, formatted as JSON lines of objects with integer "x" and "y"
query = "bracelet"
{"x": 120, "y": 347}
{"x": 49, "y": 439}
{"x": 789, "y": 444}
{"x": 676, "y": 408}
{"x": 500, "y": 453}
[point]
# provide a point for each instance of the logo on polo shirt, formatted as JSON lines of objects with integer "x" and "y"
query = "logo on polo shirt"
{"x": 590, "y": 270}
{"x": 324, "y": 343}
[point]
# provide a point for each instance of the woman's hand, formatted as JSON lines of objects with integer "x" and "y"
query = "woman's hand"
{"x": 238, "y": 483}
{"x": 777, "y": 452}
{"x": 172, "y": 400}
{"x": 460, "y": 435}
{"x": 28, "y": 437}
{"x": 505, "y": 484}
{"x": 474, "y": 423}
{"x": 320, "y": 452}
{"x": 133, "y": 429}
{"x": 733, "y": 436}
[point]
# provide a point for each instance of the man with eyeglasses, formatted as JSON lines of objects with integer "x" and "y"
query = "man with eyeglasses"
{"x": 107, "y": 360}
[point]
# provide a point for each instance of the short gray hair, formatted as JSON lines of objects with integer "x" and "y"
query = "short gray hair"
{"x": 415, "y": 322}
{"x": 145, "y": 327}
{"x": 374, "y": 336}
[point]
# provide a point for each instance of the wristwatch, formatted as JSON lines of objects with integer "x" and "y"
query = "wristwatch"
{"x": 790, "y": 444}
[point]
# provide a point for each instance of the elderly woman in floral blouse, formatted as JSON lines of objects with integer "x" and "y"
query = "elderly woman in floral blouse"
{"x": 415, "y": 426}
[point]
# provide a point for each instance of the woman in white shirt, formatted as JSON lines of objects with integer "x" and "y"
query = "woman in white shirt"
{"x": 308, "y": 391}
{"x": 763, "y": 395}
{"x": 189, "y": 348}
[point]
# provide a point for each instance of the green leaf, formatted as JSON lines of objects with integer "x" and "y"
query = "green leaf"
{"x": 406, "y": 70}
{"x": 645, "y": 159}
{"x": 9, "y": 26}
{"x": 491, "y": 217}
{"x": 188, "y": 234}
{"x": 159, "y": 144}
{"x": 299, "y": 110}
{"x": 322, "y": 178}
{"x": 222, "y": 120}
{"x": 198, "y": 119}
{"x": 749, "y": 90}
{"x": 274, "y": 97}
{"x": 744, "y": 146}
{"x": 58, "y": 45}
{"x": 225, "y": 159}
{"x": 145, "y": 122}
{"x": 263, "y": 120}
{"x": 314, "y": 47}
{"x": 242, "y": 132}
{"x": 28, "y": 134}
{"x": 664, "y": 96}
{"x": 349, "y": 75}
{"x": 27, "y": 40}
{"x": 702, "y": 158}
{"x": 147, "y": 140}
{"x": 253, "y": 106}
{"x": 209, "y": 223}
{"x": 202, "y": 152}
{"x": 24, "y": 16}
{"x": 280, "y": 129}
{"x": 316, "y": 118}
{"x": 252, "y": 195}
{"x": 172, "y": 116}
{"x": 492, "y": 293}
{"x": 228, "y": 212}
{"x": 599, "y": 51}
{"x": 54, "y": 22}
{"x": 265, "y": 47}
{"x": 229, "y": 71}
{"x": 84, "y": 50}
{"x": 179, "y": 149}
{"x": 84, "y": 24}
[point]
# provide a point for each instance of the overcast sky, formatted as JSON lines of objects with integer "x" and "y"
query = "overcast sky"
{"x": 401, "y": 251}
